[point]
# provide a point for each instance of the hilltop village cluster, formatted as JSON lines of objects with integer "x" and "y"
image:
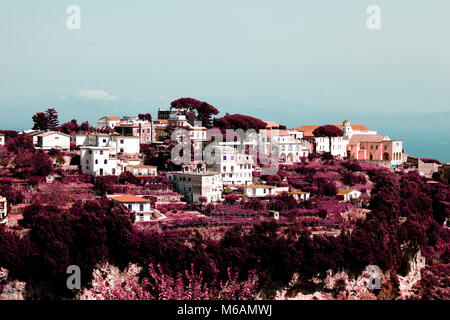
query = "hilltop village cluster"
{"x": 120, "y": 146}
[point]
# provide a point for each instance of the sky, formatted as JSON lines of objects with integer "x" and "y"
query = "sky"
{"x": 302, "y": 56}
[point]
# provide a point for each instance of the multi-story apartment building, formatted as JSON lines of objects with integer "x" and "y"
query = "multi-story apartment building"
{"x": 133, "y": 126}
{"x": 290, "y": 148}
{"x": 234, "y": 166}
{"x": 98, "y": 161}
{"x": 118, "y": 143}
{"x": 198, "y": 183}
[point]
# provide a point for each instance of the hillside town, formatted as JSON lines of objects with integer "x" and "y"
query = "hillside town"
{"x": 326, "y": 178}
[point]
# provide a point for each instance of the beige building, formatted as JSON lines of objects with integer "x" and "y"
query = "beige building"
{"x": 198, "y": 183}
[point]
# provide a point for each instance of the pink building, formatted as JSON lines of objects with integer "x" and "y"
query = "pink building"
{"x": 375, "y": 147}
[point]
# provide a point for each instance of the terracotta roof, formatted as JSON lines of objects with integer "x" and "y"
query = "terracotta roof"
{"x": 271, "y": 124}
{"x": 129, "y": 198}
{"x": 367, "y": 138}
{"x": 342, "y": 192}
{"x": 276, "y": 133}
{"x": 112, "y": 118}
{"x": 308, "y": 130}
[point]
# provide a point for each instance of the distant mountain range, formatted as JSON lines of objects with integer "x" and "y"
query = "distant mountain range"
{"x": 424, "y": 135}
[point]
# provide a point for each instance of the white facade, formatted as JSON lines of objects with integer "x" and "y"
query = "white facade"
{"x": 108, "y": 121}
{"x": 117, "y": 143}
{"x": 290, "y": 148}
{"x": 3, "y": 210}
{"x": 52, "y": 140}
{"x": 98, "y": 161}
{"x": 198, "y": 184}
{"x": 140, "y": 206}
{"x": 2, "y": 139}
{"x": 338, "y": 145}
{"x": 349, "y": 194}
{"x": 142, "y": 170}
{"x": 234, "y": 166}
{"x": 259, "y": 191}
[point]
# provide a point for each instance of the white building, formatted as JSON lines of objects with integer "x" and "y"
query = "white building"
{"x": 3, "y": 210}
{"x": 140, "y": 206}
{"x": 117, "y": 143}
{"x": 257, "y": 190}
{"x": 98, "y": 161}
{"x": 108, "y": 121}
{"x": 290, "y": 148}
{"x": 2, "y": 139}
{"x": 234, "y": 166}
{"x": 142, "y": 170}
{"x": 52, "y": 140}
{"x": 338, "y": 145}
{"x": 349, "y": 194}
{"x": 198, "y": 184}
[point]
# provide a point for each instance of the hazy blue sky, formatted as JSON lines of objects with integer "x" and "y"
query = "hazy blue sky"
{"x": 316, "y": 52}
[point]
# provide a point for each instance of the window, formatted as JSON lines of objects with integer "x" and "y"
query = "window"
{"x": 141, "y": 207}
{"x": 113, "y": 171}
{"x": 121, "y": 141}
{"x": 130, "y": 206}
{"x": 224, "y": 157}
{"x": 56, "y": 138}
{"x": 101, "y": 152}
{"x": 104, "y": 141}
{"x": 96, "y": 161}
{"x": 106, "y": 161}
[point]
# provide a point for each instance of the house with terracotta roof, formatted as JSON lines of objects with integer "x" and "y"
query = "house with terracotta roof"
{"x": 349, "y": 129}
{"x": 338, "y": 145}
{"x": 375, "y": 147}
{"x": 139, "y": 205}
{"x": 52, "y": 140}
{"x": 108, "y": 121}
{"x": 290, "y": 148}
{"x": 349, "y": 194}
